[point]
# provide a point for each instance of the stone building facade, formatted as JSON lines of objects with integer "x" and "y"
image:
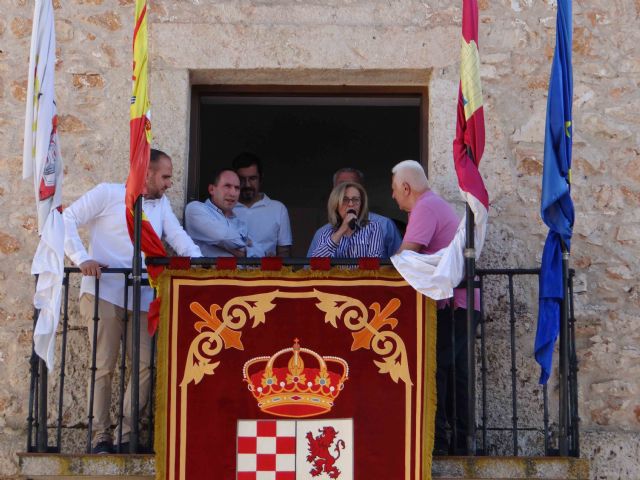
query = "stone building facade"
{"x": 361, "y": 42}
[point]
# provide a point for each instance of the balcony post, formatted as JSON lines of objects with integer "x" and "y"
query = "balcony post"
{"x": 41, "y": 432}
{"x": 135, "y": 340}
{"x": 470, "y": 267}
{"x": 563, "y": 442}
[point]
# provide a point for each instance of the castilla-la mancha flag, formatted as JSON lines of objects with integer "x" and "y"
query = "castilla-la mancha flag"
{"x": 140, "y": 148}
{"x": 438, "y": 274}
{"x": 43, "y": 162}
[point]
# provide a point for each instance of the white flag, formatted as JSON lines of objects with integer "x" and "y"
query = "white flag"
{"x": 42, "y": 160}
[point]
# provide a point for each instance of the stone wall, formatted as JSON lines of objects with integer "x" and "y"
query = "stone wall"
{"x": 362, "y": 42}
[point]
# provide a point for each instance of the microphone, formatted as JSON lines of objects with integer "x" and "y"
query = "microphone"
{"x": 353, "y": 223}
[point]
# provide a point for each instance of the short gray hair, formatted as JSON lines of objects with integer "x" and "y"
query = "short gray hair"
{"x": 411, "y": 172}
{"x": 349, "y": 170}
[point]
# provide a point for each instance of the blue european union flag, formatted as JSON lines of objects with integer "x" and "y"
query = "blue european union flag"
{"x": 556, "y": 205}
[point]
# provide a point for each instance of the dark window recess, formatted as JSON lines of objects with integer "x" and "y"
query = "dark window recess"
{"x": 302, "y": 141}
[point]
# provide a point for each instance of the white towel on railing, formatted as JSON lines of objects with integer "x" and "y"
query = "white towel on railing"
{"x": 436, "y": 275}
{"x": 48, "y": 264}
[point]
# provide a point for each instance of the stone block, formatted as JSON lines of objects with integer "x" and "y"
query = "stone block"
{"x": 8, "y": 243}
{"x": 612, "y": 454}
{"x": 91, "y": 80}
{"x": 64, "y": 31}
{"x": 71, "y": 124}
{"x": 21, "y": 27}
{"x": 108, "y": 20}
{"x": 628, "y": 233}
{"x": 40, "y": 466}
{"x": 19, "y": 90}
{"x": 257, "y": 47}
{"x": 511, "y": 468}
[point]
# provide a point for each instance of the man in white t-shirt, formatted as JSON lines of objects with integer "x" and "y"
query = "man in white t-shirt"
{"x": 267, "y": 220}
{"x": 102, "y": 212}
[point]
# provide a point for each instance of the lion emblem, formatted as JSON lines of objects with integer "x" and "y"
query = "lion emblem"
{"x": 320, "y": 456}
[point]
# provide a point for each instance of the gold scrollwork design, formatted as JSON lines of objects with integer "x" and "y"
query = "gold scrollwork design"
{"x": 373, "y": 332}
{"x": 239, "y": 310}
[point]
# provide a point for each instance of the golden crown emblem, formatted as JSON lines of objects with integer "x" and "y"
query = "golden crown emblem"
{"x": 294, "y": 390}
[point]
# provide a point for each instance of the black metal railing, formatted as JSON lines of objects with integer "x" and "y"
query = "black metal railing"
{"x": 548, "y": 436}
{"x": 508, "y": 308}
{"x": 42, "y": 396}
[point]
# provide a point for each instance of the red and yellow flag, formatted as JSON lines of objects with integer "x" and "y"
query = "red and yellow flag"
{"x": 139, "y": 149}
{"x": 468, "y": 145}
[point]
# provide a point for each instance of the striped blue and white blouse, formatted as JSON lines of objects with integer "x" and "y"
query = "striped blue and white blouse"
{"x": 366, "y": 241}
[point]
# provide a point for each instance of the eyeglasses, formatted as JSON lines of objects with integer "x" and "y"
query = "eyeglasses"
{"x": 352, "y": 200}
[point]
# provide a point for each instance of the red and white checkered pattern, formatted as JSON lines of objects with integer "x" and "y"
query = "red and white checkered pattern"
{"x": 266, "y": 450}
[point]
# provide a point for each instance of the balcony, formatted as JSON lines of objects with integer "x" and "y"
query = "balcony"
{"x": 520, "y": 427}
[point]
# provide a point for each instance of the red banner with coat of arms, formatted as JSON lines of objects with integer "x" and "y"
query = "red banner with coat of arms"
{"x": 294, "y": 375}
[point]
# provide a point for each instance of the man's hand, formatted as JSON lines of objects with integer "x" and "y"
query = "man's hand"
{"x": 238, "y": 252}
{"x": 92, "y": 268}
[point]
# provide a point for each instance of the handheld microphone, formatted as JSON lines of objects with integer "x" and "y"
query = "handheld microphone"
{"x": 353, "y": 223}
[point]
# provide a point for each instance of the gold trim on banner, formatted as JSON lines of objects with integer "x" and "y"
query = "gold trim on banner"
{"x": 162, "y": 348}
{"x": 220, "y": 328}
{"x": 217, "y": 333}
{"x": 419, "y": 404}
{"x": 430, "y": 395}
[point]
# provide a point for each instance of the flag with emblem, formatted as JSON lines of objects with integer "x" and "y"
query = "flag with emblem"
{"x": 295, "y": 449}
{"x": 438, "y": 274}
{"x": 556, "y": 205}
{"x": 42, "y": 161}
{"x": 140, "y": 148}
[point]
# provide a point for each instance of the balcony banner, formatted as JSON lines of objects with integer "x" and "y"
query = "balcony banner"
{"x": 294, "y": 375}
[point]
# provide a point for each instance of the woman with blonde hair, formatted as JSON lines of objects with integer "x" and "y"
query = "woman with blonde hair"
{"x": 349, "y": 234}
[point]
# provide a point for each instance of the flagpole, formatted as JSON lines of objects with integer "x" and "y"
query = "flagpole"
{"x": 42, "y": 437}
{"x": 563, "y": 367}
{"x": 470, "y": 269}
{"x": 135, "y": 334}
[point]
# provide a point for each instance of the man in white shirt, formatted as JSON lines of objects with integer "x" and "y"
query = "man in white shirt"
{"x": 212, "y": 224}
{"x": 267, "y": 220}
{"x": 102, "y": 211}
{"x": 391, "y": 234}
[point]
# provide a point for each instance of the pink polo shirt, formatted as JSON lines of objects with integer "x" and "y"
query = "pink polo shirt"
{"x": 432, "y": 224}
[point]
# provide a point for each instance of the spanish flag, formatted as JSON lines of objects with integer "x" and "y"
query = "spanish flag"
{"x": 139, "y": 150}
